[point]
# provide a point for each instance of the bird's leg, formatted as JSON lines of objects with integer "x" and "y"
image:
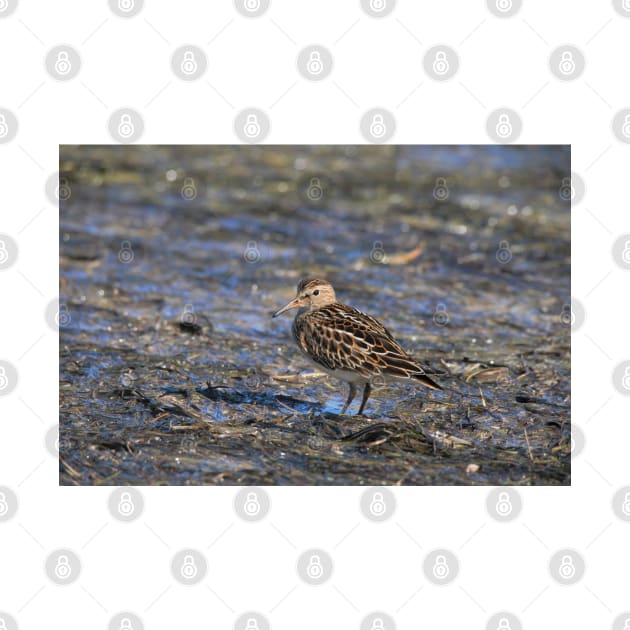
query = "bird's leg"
{"x": 366, "y": 394}
{"x": 351, "y": 394}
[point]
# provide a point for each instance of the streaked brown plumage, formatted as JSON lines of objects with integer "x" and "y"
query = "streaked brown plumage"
{"x": 347, "y": 343}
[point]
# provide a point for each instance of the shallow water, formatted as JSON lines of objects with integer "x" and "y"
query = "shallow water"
{"x": 173, "y": 258}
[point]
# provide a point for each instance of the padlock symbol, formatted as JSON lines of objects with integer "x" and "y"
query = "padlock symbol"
{"x": 63, "y": 191}
{"x": 252, "y": 504}
{"x": 625, "y": 506}
{"x": 251, "y": 254}
{"x": 125, "y": 624}
{"x": 253, "y": 382}
{"x": 625, "y": 255}
{"x": 377, "y": 255}
{"x": 189, "y": 443}
{"x": 504, "y": 126}
{"x": 440, "y": 316}
{"x": 377, "y": 504}
{"x": 189, "y": 569}
{"x": 626, "y": 378}
{"x": 378, "y": 5}
{"x": 189, "y": 64}
{"x": 378, "y": 624}
{"x": 252, "y": 5}
{"x": 504, "y": 5}
{"x": 567, "y": 316}
{"x": 567, "y": 568}
{"x": 63, "y": 570}
{"x": 504, "y": 505}
{"x": 125, "y": 255}
{"x": 62, "y": 317}
{"x": 314, "y": 64}
{"x": 126, "y": 127}
{"x": 188, "y": 315}
{"x": 252, "y": 126}
{"x": 314, "y": 570}
{"x": 127, "y": 379}
{"x": 126, "y": 5}
{"x": 4, "y": 128}
{"x": 4, "y": 254}
{"x": 440, "y": 190}
{"x": 252, "y": 624}
{"x": 440, "y": 568}
{"x": 440, "y": 63}
{"x": 125, "y": 505}
{"x": 62, "y": 63}
{"x": 4, "y": 379}
{"x": 567, "y": 63}
{"x": 315, "y": 191}
{"x": 504, "y": 254}
{"x": 504, "y": 624}
{"x": 567, "y": 191}
{"x": 4, "y": 506}
{"x": 625, "y": 129}
{"x": 189, "y": 190}
{"x": 377, "y": 127}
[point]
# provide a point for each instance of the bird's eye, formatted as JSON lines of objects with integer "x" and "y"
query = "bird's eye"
{"x": 316, "y": 292}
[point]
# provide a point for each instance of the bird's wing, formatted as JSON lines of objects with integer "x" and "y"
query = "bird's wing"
{"x": 338, "y": 336}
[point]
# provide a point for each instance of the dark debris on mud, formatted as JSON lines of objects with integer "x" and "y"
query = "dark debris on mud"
{"x": 283, "y": 439}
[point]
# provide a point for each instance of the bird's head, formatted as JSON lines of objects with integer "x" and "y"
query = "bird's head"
{"x": 312, "y": 293}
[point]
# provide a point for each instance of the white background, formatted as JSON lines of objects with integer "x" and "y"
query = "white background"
{"x": 252, "y": 62}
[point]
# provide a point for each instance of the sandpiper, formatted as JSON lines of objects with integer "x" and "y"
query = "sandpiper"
{"x": 346, "y": 343}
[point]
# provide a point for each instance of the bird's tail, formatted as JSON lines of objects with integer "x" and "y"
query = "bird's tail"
{"x": 403, "y": 367}
{"x": 425, "y": 380}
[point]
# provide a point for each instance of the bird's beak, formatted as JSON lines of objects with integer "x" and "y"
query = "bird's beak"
{"x": 294, "y": 303}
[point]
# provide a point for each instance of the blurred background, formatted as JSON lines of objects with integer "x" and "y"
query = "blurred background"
{"x": 173, "y": 258}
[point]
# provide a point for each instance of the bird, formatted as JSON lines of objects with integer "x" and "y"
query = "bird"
{"x": 348, "y": 344}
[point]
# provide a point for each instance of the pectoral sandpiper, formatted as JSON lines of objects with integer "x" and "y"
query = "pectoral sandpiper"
{"x": 347, "y": 343}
